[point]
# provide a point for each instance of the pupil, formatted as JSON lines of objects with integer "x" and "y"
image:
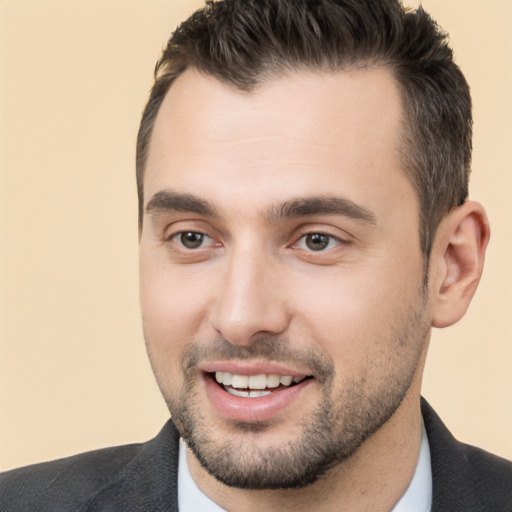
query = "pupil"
{"x": 317, "y": 241}
{"x": 191, "y": 240}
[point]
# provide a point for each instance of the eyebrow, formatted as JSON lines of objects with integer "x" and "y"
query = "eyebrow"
{"x": 324, "y": 205}
{"x": 169, "y": 201}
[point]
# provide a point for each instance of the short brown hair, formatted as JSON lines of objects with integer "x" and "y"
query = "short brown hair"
{"x": 244, "y": 43}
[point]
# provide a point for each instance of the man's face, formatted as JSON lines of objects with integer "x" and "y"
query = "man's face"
{"x": 280, "y": 255}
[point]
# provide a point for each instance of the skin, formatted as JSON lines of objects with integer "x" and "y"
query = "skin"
{"x": 358, "y": 305}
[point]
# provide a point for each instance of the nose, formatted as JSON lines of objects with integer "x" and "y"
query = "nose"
{"x": 250, "y": 300}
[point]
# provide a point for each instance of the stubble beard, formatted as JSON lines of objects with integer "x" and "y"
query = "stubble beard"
{"x": 328, "y": 436}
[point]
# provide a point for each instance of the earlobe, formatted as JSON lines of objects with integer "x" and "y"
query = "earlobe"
{"x": 457, "y": 262}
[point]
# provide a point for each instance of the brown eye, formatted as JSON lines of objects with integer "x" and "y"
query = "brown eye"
{"x": 191, "y": 239}
{"x": 317, "y": 241}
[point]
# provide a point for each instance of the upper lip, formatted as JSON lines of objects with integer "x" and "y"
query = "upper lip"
{"x": 252, "y": 368}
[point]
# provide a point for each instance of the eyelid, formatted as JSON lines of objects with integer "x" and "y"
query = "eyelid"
{"x": 333, "y": 232}
{"x": 187, "y": 225}
{"x": 175, "y": 233}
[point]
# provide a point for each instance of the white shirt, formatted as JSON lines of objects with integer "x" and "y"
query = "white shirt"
{"x": 417, "y": 497}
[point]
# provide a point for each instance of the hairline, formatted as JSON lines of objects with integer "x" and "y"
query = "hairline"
{"x": 404, "y": 142}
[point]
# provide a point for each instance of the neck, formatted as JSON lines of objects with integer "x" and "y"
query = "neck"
{"x": 373, "y": 479}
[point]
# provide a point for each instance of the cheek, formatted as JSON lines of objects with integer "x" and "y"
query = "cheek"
{"x": 353, "y": 313}
{"x": 173, "y": 305}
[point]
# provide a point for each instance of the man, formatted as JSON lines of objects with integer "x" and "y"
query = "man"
{"x": 302, "y": 172}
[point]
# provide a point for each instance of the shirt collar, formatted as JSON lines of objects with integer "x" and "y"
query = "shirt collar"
{"x": 418, "y": 496}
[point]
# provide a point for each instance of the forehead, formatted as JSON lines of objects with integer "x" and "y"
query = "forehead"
{"x": 306, "y": 131}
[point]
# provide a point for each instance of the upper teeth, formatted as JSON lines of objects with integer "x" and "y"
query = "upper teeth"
{"x": 261, "y": 381}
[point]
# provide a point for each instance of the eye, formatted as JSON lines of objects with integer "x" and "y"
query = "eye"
{"x": 317, "y": 242}
{"x": 192, "y": 239}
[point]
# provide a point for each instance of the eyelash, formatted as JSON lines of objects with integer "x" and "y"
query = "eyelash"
{"x": 319, "y": 234}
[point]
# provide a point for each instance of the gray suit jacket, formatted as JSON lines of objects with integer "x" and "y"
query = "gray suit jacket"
{"x": 143, "y": 478}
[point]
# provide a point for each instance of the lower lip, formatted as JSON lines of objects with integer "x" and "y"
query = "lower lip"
{"x": 252, "y": 410}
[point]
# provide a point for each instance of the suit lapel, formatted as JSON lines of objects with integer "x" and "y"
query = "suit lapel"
{"x": 148, "y": 483}
{"x": 452, "y": 477}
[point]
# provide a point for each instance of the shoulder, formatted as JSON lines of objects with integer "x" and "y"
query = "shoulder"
{"x": 71, "y": 483}
{"x": 465, "y": 477}
{"x": 65, "y": 482}
{"x": 492, "y": 475}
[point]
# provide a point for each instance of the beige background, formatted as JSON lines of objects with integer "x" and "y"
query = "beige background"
{"x": 73, "y": 370}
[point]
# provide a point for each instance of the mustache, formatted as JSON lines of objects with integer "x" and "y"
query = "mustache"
{"x": 263, "y": 347}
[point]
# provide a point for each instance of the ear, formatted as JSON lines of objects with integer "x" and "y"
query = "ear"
{"x": 457, "y": 262}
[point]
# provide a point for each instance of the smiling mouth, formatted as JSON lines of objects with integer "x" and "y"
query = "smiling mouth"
{"x": 255, "y": 386}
